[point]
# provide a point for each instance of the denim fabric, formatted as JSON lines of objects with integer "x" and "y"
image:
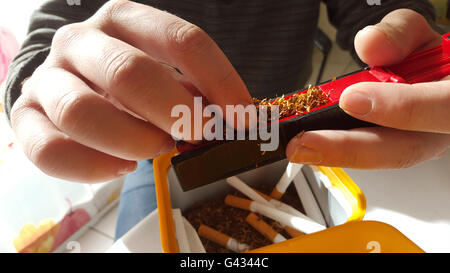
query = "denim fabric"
{"x": 138, "y": 198}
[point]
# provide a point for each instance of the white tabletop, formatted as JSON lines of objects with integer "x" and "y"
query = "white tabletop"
{"x": 416, "y": 201}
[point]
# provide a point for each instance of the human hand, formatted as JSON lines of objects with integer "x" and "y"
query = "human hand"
{"x": 103, "y": 99}
{"x": 416, "y": 116}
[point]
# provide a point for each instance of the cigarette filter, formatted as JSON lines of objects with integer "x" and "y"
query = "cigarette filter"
{"x": 245, "y": 189}
{"x": 276, "y": 204}
{"x": 293, "y": 232}
{"x": 261, "y": 197}
{"x": 222, "y": 239}
{"x": 237, "y": 202}
{"x": 280, "y": 205}
{"x": 265, "y": 229}
{"x": 198, "y": 165}
{"x": 292, "y": 170}
{"x": 301, "y": 223}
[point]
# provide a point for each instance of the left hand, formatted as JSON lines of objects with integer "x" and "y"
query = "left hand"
{"x": 416, "y": 117}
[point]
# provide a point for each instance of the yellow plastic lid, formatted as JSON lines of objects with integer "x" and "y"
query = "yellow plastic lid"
{"x": 351, "y": 237}
{"x": 354, "y": 236}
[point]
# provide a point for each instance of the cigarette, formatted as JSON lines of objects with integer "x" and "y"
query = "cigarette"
{"x": 293, "y": 232}
{"x": 292, "y": 170}
{"x": 244, "y": 204}
{"x": 237, "y": 202}
{"x": 286, "y": 208}
{"x": 245, "y": 189}
{"x": 308, "y": 200}
{"x": 222, "y": 239}
{"x": 262, "y": 227}
{"x": 301, "y": 223}
{"x": 280, "y": 205}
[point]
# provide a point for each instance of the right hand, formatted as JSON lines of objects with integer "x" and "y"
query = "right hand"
{"x": 102, "y": 99}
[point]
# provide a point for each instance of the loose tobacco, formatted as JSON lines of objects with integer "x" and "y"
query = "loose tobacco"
{"x": 296, "y": 104}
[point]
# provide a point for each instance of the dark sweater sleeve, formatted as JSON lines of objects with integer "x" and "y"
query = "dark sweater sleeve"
{"x": 36, "y": 47}
{"x": 350, "y": 16}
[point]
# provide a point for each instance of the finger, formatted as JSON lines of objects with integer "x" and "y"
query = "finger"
{"x": 366, "y": 148}
{"x": 138, "y": 82}
{"x": 179, "y": 43}
{"x": 400, "y": 33}
{"x": 89, "y": 119}
{"x": 59, "y": 156}
{"x": 417, "y": 107}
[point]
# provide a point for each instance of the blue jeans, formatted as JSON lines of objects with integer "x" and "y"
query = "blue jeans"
{"x": 138, "y": 198}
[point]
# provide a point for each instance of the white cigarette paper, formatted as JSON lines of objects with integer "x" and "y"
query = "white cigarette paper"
{"x": 292, "y": 170}
{"x": 301, "y": 223}
{"x": 180, "y": 232}
{"x": 285, "y": 207}
{"x": 308, "y": 200}
{"x": 245, "y": 189}
{"x": 235, "y": 246}
{"x": 222, "y": 239}
{"x": 277, "y": 205}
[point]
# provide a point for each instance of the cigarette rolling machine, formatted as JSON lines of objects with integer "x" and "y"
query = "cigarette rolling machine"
{"x": 198, "y": 165}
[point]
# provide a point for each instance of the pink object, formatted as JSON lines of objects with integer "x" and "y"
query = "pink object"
{"x": 9, "y": 47}
{"x": 70, "y": 224}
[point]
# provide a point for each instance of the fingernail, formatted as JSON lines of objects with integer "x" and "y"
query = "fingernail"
{"x": 131, "y": 167}
{"x": 305, "y": 155}
{"x": 356, "y": 102}
{"x": 366, "y": 29}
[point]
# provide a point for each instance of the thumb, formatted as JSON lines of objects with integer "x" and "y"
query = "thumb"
{"x": 416, "y": 107}
{"x": 399, "y": 33}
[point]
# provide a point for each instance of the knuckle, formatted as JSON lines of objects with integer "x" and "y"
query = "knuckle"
{"x": 69, "y": 109}
{"x": 41, "y": 151}
{"x": 186, "y": 37}
{"x": 125, "y": 67}
{"x": 21, "y": 105}
{"x": 66, "y": 35}
{"x": 110, "y": 10}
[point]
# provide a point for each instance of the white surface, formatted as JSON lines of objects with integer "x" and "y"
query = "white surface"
{"x": 93, "y": 242}
{"x": 180, "y": 232}
{"x": 195, "y": 243}
{"x": 15, "y": 15}
{"x": 309, "y": 203}
{"x": 416, "y": 201}
{"x": 107, "y": 225}
{"x": 144, "y": 237}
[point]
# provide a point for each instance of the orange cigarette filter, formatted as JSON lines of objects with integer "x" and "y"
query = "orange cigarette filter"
{"x": 293, "y": 232}
{"x": 261, "y": 226}
{"x": 237, "y": 202}
{"x": 275, "y": 194}
{"x": 265, "y": 196}
{"x": 214, "y": 235}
